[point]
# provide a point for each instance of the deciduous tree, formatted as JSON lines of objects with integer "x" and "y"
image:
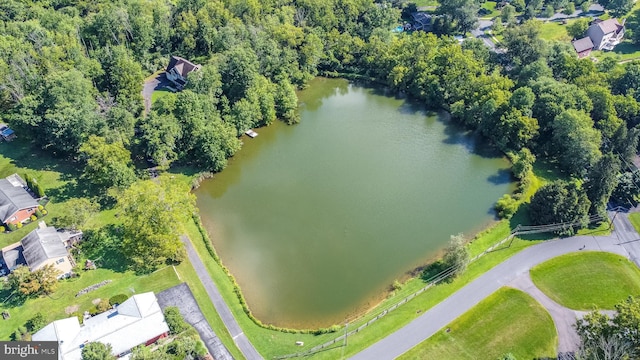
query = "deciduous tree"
{"x": 97, "y": 351}
{"x": 153, "y": 213}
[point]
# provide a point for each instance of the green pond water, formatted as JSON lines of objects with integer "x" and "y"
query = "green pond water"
{"x": 316, "y": 220}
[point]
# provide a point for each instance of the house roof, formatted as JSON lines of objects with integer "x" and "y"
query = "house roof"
{"x": 13, "y": 198}
{"x": 42, "y": 244}
{"x": 13, "y": 256}
{"x": 63, "y": 331}
{"x": 131, "y": 323}
{"x": 583, "y": 44}
{"x": 608, "y": 26}
{"x": 182, "y": 66}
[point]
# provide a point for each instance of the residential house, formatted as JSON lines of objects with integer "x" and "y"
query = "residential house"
{"x": 6, "y": 133}
{"x": 16, "y": 204}
{"x": 178, "y": 70}
{"x": 43, "y": 246}
{"x": 606, "y": 34}
{"x": 139, "y": 320}
{"x": 583, "y": 46}
{"x": 422, "y": 21}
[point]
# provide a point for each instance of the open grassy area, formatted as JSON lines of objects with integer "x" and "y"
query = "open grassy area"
{"x": 554, "y": 31}
{"x": 634, "y": 218}
{"x": 622, "y": 52}
{"x": 420, "y": 3}
{"x": 160, "y": 94}
{"x": 55, "y": 306}
{"x": 587, "y": 280}
{"x": 509, "y": 321}
{"x": 491, "y": 7}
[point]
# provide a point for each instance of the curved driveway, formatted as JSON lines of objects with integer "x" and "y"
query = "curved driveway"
{"x": 623, "y": 241}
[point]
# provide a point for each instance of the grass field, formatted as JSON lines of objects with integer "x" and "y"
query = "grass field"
{"x": 587, "y": 280}
{"x": 634, "y": 218}
{"x": 623, "y": 51}
{"x": 554, "y": 31}
{"x": 509, "y": 321}
{"x": 160, "y": 94}
{"x": 53, "y": 307}
{"x": 490, "y": 6}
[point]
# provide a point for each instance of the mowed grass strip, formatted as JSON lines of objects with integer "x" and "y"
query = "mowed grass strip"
{"x": 587, "y": 280}
{"x": 509, "y": 321}
{"x": 634, "y": 218}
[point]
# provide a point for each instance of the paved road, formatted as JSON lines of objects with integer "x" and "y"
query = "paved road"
{"x": 151, "y": 85}
{"x": 464, "y": 299}
{"x": 563, "y": 318}
{"x": 627, "y": 236}
{"x": 223, "y": 310}
{"x": 181, "y": 297}
{"x": 478, "y": 32}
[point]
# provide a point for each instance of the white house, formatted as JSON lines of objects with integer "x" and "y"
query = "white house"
{"x": 139, "y": 320}
{"x": 606, "y": 34}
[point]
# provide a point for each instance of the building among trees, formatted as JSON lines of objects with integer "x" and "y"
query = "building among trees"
{"x": 178, "y": 70}
{"x": 138, "y": 320}
{"x": 601, "y": 35}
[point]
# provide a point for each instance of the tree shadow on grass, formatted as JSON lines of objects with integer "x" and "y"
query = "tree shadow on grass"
{"x": 26, "y": 154}
{"x": 103, "y": 247}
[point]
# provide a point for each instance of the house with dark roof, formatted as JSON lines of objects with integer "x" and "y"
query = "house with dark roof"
{"x": 606, "y": 34}
{"x": 583, "y": 46}
{"x": 43, "y": 246}
{"x": 178, "y": 69}
{"x": 137, "y": 321}
{"x": 16, "y": 204}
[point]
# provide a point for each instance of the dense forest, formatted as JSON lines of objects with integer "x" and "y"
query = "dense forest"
{"x": 72, "y": 71}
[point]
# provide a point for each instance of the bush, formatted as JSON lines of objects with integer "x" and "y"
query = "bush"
{"x": 33, "y": 217}
{"x": 506, "y": 206}
{"x": 40, "y": 207}
{"x": 38, "y": 213}
{"x": 44, "y": 211}
{"x": 175, "y": 321}
{"x": 118, "y": 299}
{"x": 36, "y": 323}
{"x": 11, "y": 227}
{"x": 19, "y": 225}
{"x": 2, "y": 229}
{"x": 103, "y": 305}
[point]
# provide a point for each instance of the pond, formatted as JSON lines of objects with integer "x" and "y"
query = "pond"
{"x": 317, "y": 220}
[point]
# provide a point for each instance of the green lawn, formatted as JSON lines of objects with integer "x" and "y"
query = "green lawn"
{"x": 420, "y": 3}
{"x": 554, "y": 31}
{"x": 509, "y": 321}
{"x": 491, "y": 6}
{"x": 587, "y": 280}
{"x": 54, "y": 307}
{"x": 623, "y": 51}
{"x": 160, "y": 94}
{"x": 634, "y": 218}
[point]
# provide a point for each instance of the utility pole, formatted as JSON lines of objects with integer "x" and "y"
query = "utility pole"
{"x": 346, "y": 333}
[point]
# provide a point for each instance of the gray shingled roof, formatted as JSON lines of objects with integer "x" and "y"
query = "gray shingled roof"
{"x": 583, "y": 44}
{"x": 12, "y": 199}
{"x": 41, "y": 245}
{"x": 13, "y": 257}
{"x": 609, "y": 26}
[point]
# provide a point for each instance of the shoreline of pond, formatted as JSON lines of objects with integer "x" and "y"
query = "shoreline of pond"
{"x": 367, "y": 305}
